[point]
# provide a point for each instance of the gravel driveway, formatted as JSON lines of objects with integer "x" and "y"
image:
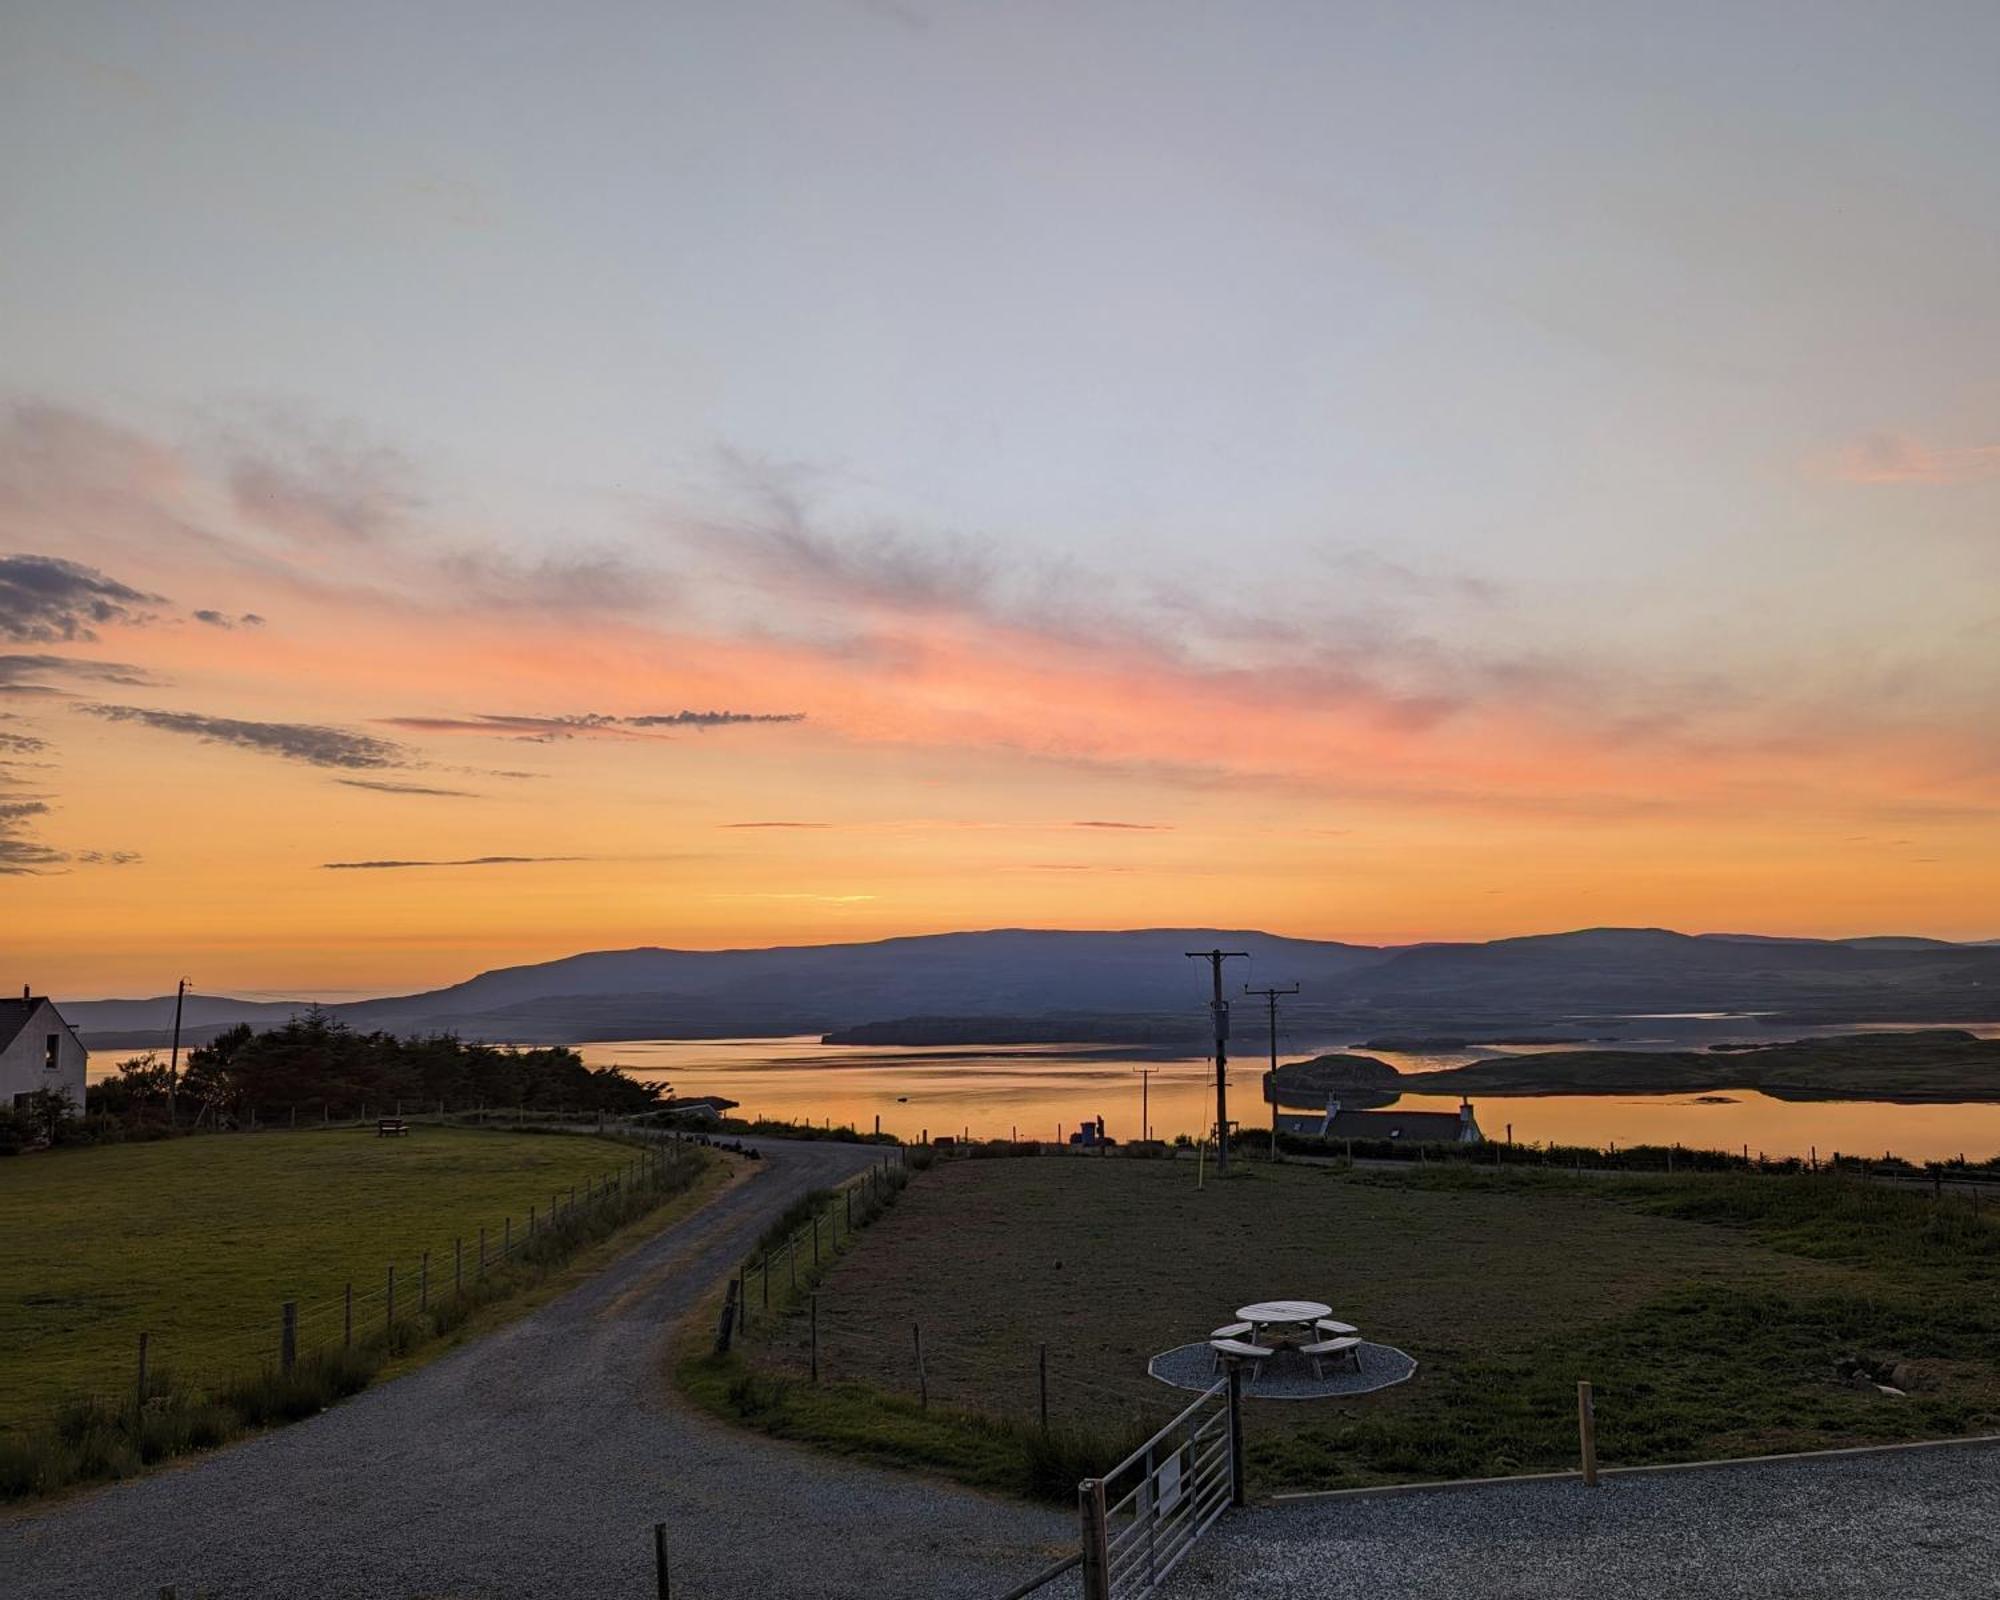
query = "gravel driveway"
{"x": 1915, "y": 1522}
{"x": 534, "y": 1462}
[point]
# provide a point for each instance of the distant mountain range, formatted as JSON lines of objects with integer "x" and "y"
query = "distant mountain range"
{"x": 1028, "y": 983}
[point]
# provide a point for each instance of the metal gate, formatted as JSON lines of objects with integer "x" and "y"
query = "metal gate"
{"x": 1146, "y": 1513}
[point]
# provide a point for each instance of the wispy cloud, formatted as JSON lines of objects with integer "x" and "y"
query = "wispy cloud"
{"x": 24, "y": 674}
{"x": 467, "y": 861}
{"x": 1898, "y": 458}
{"x": 1128, "y": 827}
{"x": 584, "y": 724}
{"x": 21, "y": 853}
{"x": 319, "y": 483}
{"x": 383, "y": 786}
{"x": 109, "y": 858}
{"x": 777, "y": 824}
{"x": 218, "y": 619}
{"x": 48, "y": 600}
{"x": 293, "y": 741}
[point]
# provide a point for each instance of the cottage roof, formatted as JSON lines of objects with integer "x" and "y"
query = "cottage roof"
{"x": 16, "y": 1014}
{"x": 1431, "y": 1127}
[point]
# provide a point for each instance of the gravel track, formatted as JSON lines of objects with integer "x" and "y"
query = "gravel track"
{"x": 1912, "y": 1522}
{"x": 534, "y": 1462}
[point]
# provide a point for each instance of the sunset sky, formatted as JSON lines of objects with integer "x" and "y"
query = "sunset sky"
{"x": 484, "y": 482}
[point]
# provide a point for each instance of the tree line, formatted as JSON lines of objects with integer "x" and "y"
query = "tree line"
{"x": 316, "y": 1065}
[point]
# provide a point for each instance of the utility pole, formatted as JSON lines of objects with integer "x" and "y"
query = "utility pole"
{"x": 1271, "y": 1001}
{"x": 1219, "y": 1009}
{"x": 174, "y": 1062}
{"x": 1145, "y": 1114}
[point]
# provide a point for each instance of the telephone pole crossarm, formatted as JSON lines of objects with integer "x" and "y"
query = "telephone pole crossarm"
{"x": 1219, "y": 1010}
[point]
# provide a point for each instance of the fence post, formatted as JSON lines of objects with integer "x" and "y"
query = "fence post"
{"x": 1586, "y": 1432}
{"x": 347, "y": 1316}
{"x": 815, "y": 1338}
{"x": 728, "y": 1324}
{"x": 1043, "y": 1364}
{"x": 389, "y": 1309}
{"x": 923, "y": 1383}
{"x": 1236, "y": 1495}
{"x": 288, "y": 1336}
{"x": 1096, "y": 1554}
{"x": 144, "y": 1339}
{"x": 660, "y": 1558}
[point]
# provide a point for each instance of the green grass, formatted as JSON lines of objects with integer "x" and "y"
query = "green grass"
{"x": 199, "y": 1241}
{"x": 1707, "y": 1311}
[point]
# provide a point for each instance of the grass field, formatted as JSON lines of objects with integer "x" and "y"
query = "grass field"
{"x": 1708, "y": 1312}
{"x": 199, "y": 1241}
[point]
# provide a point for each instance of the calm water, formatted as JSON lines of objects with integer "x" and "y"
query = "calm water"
{"x": 1043, "y": 1092}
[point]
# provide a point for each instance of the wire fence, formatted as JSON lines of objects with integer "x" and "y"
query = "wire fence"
{"x": 415, "y": 1294}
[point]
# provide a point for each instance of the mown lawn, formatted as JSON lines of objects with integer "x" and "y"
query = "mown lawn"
{"x": 1708, "y": 1312}
{"x": 199, "y": 1242}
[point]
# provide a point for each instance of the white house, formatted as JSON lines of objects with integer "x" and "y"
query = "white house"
{"x": 1418, "y": 1127}
{"x": 38, "y": 1050}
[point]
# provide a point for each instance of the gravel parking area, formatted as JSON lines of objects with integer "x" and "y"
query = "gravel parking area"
{"x": 1911, "y": 1522}
{"x": 535, "y": 1462}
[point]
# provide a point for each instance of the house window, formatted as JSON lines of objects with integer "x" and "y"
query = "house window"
{"x": 53, "y": 1060}
{"x": 21, "y": 1101}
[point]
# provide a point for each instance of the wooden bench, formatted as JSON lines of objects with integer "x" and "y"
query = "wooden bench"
{"x": 1346, "y": 1350}
{"x": 391, "y": 1127}
{"x": 1332, "y": 1329}
{"x": 1251, "y": 1355}
{"x": 1231, "y": 1330}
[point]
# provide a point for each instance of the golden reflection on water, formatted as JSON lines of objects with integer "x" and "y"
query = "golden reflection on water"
{"x": 1038, "y": 1092}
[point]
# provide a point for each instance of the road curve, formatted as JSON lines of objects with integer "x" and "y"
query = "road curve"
{"x": 534, "y": 1462}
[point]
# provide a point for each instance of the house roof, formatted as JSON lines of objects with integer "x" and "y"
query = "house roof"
{"x": 15, "y": 1014}
{"x": 1428, "y": 1126}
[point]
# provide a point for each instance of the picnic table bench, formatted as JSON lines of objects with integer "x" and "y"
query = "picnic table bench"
{"x": 391, "y": 1127}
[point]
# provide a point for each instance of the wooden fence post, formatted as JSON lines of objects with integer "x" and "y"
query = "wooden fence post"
{"x": 728, "y": 1323}
{"x": 288, "y": 1336}
{"x": 1236, "y": 1494}
{"x": 923, "y": 1384}
{"x": 1586, "y": 1431}
{"x": 144, "y": 1340}
{"x": 1096, "y": 1551}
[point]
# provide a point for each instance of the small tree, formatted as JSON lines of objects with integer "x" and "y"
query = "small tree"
{"x": 48, "y": 1110}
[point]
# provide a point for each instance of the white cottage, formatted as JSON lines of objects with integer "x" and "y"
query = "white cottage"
{"x": 38, "y": 1050}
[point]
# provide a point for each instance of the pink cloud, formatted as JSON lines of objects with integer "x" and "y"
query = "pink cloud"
{"x": 1898, "y": 458}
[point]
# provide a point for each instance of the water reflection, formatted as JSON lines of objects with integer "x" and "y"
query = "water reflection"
{"x": 1043, "y": 1092}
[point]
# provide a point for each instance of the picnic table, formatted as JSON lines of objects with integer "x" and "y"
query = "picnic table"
{"x": 1264, "y": 1314}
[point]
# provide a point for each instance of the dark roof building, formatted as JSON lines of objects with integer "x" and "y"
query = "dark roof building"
{"x": 1415, "y": 1127}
